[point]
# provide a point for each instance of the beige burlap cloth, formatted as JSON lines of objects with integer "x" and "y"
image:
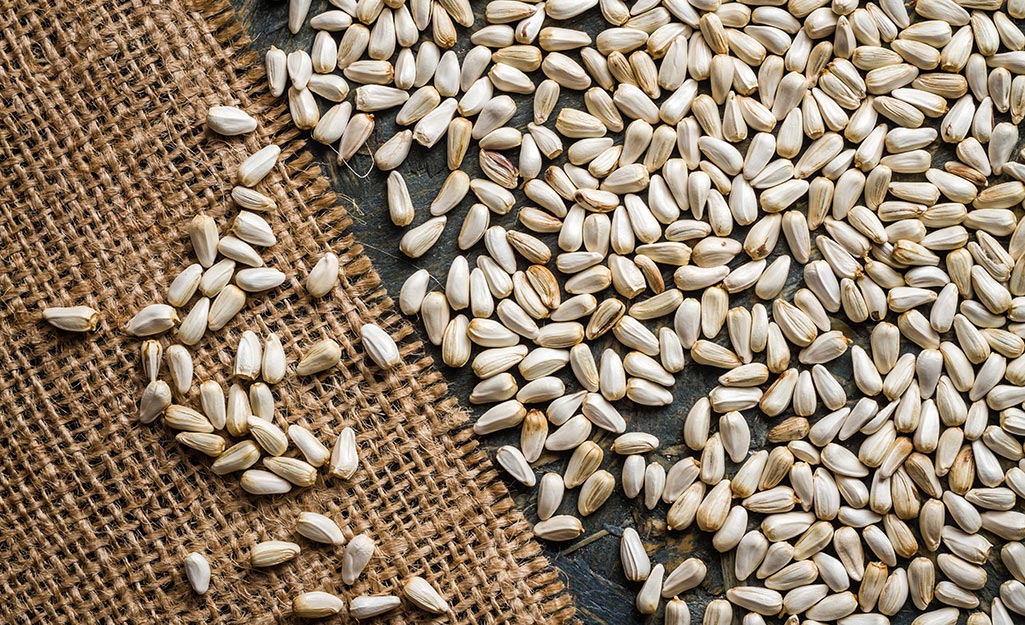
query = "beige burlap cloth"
{"x": 104, "y": 158}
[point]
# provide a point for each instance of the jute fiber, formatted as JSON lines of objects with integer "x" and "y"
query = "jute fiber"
{"x": 104, "y": 159}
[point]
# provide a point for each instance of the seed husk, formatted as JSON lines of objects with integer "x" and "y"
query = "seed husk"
{"x": 321, "y": 356}
{"x": 229, "y": 121}
{"x": 344, "y": 460}
{"x": 423, "y": 595}
{"x": 316, "y": 604}
{"x": 197, "y": 570}
{"x": 356, "y": 557}
{"x": 272, "y": 553}
{"x": 559, "y": 528}
{"x": 72, "y": 318}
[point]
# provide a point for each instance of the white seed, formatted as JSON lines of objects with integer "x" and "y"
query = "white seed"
{"x": 423, "y": 595}
{"x": 344, "y": 460}
{"x": 316, "y": 604}
{"x": 197, "y": 570}
{"x": 321, "y": 356}
{"x": 380, "y": 346}
{"x": 356, "y": 557}
{"x": 254, "y": 169}
{"x": 153, "y": 319}
{"x": 229, "y": 121}
{"x": 77, "y": 318}
{"x": 272, "y": 553}
{"x": 512, "y": 460}
{"x": 319, "y": 528}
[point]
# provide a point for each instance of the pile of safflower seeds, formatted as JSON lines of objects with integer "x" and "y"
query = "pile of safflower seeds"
{"x": 706, "y": 143}
{"x": 215, "y": 289}
{"x": 702, "y": 132}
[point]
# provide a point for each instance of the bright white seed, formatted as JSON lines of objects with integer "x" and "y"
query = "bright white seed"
{"x": 256, "y": 167}
{"x": 356, "y": 557}
{"x": 319, "y": 528}
{"x": 315, "y": 452}
{"x": 229, "y": 121}
{"x": 366, "y": 606}
{"x": 344, "y": 457}
{"x": 155, "y": 399}
{"x": 72, "y": 318}
{"x": 380, "y": 346}
{"x": 248, "y": 356}
{"x": 179, "y": 365}
{"x": 225, "y": 306}
{"x": 272, "y": 553}
{"x": 324, "y": 276}
{"x": 153, "y": 319}
{"x": 197, "y": 570}
{"x": 272, "y": 367}
{"x": 316, "y": 604}
{"x": 323, "y": 355}
{"x": 423, "y": 595}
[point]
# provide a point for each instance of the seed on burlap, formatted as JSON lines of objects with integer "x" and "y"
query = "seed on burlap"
{"x": 209, "y": 444}
{"x": 272, "y": 367}
{"x": 155, "y": 399}
{"x": 323, "y": 355}
{"x": 197, "y": 570}
{"x": 240, "y": 457}
{"x": 225, "y": 306}
{"x": 296, "y": 471}
{"x": 272, "y": 553}
{"x": 368, "y": 606}
{"x": 423, "y": 595}
{"x": 72, "y": 318}
{"x": 379, "y": 346}
{"x": 316, "y": 604}
{"x": 229, "y": 121}
{"x": 319, "y": 528}
{"x": 357, "y": 554}
{"x": 153, "y": 319}
{"x": 257, "y": 166}
{"x": 268, "y": 435}
{"x": 345, "y": 456}
{"x": 258, "y": 482}
{"x": 315, "y": 452}
{"x": 186, "y": 419}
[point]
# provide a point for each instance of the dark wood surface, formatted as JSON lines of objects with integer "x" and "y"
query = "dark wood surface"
{"x": 589, "y": 566}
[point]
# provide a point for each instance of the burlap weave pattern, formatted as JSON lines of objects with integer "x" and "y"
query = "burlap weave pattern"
{"x": 104, "y": 158}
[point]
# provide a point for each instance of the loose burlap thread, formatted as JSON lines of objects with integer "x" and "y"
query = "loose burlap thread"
{"x": 105, "y": 159}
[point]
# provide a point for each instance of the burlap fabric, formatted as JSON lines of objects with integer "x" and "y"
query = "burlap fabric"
{"x": 105, "y": 158}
